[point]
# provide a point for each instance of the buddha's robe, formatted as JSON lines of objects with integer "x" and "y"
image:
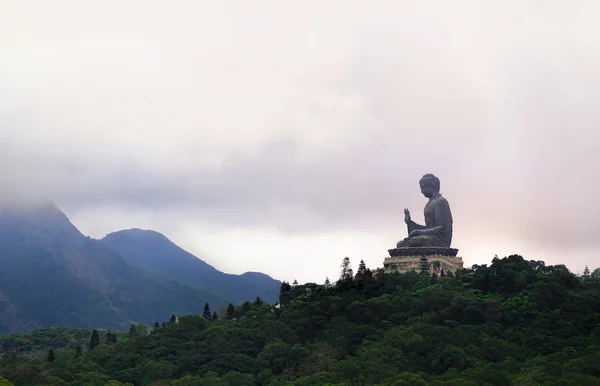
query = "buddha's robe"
{"x": 437, "y": 231}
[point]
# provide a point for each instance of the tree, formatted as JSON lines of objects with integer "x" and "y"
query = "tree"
{"x": 361, "y": 272}
{"x": 327, "y": 282}
{"x": 283, "y": 291}
{"x": 141, "y": 329}
{"x": 424, "y": 265}
{"x": 109, "y": 338}
{"x": 586, "y": 272}
{"x": 380, "y": 274}
{"x": 295, "y": 283}
{"x": 113, "y": 339}
{"x": 163, "y": 325}
{"x": 51, "y": 356}
{"x": 258, "y": 301}
{"x": 434, "y": 278}
{"x": 215, "y": 316}
{"x": 207, "y": 315}
{"x": 156, "y": 325}
{"x": 346, "y": 273}
{"x": 230, "y": 313}
{"x": 78, "y": 351}
{"x": 173, "y": 319}
{"x": 285, "y": 287}
{"x": 246, "y": 306}
{"x": 94, "y": 340}
{"x": 132, "y": 330}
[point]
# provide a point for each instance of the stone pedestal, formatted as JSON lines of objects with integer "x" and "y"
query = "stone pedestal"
{"x": 404, "y": 264}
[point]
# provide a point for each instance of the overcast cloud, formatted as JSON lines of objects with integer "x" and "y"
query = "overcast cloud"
{"x": 282, "y": 136}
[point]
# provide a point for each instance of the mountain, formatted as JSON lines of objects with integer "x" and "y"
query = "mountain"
{"x": 153, "y": 250}
{"x": 54, "y": 275}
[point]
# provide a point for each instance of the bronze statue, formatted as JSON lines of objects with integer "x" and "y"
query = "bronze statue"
{"x": 437, "y": 231}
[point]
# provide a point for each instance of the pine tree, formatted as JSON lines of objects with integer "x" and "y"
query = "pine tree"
{"x": 132, "y": 330}
{"x": 206, "y": 312}
{"x": 424, "y": 265}
{"x": 215, "y": 316}
{"x": 295, "y": 283}
{"x": 94, "y": 340}
{"x": 586, "y": 272}
{"x": 361, "y": 272}
{"x": 283, "y": 290}
{"x": 78, "y": 351}
{"x": 327, "y": 282}
{"x": 156, "y": 325}
{"x": 51, "y": 356}
{"x": 258, "y": 301}
{"x": 163, "y": 325}
{"x": 108, "y": 339}
{"x": 230, "y": 311}
{"x": 113, "y": 339}
{"x": 173, "y": 319}
{"x": 346, "y": 274}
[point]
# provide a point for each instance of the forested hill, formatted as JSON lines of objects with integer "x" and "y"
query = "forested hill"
{"x": 514, "y": 322}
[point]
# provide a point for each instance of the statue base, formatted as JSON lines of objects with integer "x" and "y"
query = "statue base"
{"x": 405, "y": 264}
{"x": 423, "y": 251}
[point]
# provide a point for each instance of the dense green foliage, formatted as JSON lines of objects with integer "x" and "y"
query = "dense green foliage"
{"x": 44, "y": 339}
{"x": 153, "y": 250}
{"x": 515, "y": 322}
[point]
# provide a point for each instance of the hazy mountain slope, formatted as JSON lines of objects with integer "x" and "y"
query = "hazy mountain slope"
{"x": 53, "y": 275}
{"x": 153, "y": 250}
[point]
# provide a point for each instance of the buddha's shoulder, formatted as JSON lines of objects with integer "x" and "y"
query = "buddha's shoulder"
{"x": 441, "y": 200}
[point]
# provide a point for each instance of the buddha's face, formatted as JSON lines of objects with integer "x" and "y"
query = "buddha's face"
{"x": 428, "y": 190}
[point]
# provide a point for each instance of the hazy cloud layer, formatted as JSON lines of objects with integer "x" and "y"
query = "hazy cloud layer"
{"x": 279, "y": 137}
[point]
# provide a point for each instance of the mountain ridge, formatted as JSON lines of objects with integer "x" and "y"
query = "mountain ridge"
{"x": 54, "y": 275}
{"x": 153, "y": 250}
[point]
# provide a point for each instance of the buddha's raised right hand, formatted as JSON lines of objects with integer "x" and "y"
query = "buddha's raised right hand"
{"x": 406, "y": 216}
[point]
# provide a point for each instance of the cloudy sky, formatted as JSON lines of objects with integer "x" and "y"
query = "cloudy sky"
{"x": 281, "y": 136}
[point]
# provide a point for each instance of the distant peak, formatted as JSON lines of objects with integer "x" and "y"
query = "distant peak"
{"x": 137, "y": 233}
{"x": 255, "y": 274}
{"x": 137, "y": 230}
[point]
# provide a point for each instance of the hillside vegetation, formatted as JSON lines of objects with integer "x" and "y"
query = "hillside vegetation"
{"x": 514, "y": 322}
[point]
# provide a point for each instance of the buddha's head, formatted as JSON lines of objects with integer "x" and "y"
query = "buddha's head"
{"x": 430, "y": 185}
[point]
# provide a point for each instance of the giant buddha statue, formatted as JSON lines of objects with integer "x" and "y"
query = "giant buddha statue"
{"x": 436, "y": 235}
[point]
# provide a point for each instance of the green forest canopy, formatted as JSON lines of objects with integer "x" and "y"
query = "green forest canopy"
{"x": 514, "y": 322}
